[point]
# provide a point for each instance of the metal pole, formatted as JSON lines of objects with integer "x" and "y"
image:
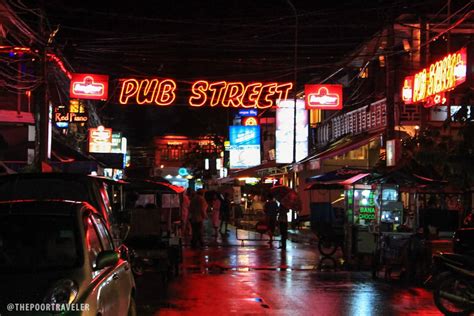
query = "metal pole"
{"x": 295, "y": 82}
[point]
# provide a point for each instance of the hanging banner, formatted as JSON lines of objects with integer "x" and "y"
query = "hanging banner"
{"x": 89, "y": 86}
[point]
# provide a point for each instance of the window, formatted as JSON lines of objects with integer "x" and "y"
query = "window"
{"x": 93, "y": 243}
{"x": 103, "y": 233}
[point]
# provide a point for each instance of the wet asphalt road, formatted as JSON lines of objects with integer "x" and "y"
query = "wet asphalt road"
{"x": 228, "y": 278}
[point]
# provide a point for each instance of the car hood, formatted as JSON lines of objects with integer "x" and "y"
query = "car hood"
{"x": 30, "y": 287}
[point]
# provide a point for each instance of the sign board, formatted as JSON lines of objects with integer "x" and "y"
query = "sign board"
{"x": 323, "y": 96}
{"x": 285, "y": 131}
{"x": 162, "y": 92}
{"x": 89, "y": 86}
{"x": 100, "y": 140}
{"x": 244, "y": 146}
{"x": 430, "y": 83}
{"x": 248, "y": 112}
{"x": 249, "y": 121}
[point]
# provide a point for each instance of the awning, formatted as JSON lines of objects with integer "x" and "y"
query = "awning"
{"x": 259, "y": 171}
{"x": 336, "y": 179}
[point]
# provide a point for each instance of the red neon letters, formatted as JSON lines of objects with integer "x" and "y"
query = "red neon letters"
{"x": 148, "y": 91}
{"x": 237, "y": 94}
{"x": 220, "y": 93}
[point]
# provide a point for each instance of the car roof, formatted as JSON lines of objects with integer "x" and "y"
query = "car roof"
{"x": 55, "y": 207}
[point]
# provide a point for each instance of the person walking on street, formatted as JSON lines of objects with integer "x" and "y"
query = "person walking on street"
{"x": 186, "y": 225}
{"x": 225, "y": 213}
{"x": 283, "y": 225}
{"x": 216, "y": 208}
{"x": 271, "y": 210}
{"x": 197, "y": 215}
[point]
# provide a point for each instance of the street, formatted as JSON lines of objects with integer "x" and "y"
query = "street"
{"x": 228, "y": 278}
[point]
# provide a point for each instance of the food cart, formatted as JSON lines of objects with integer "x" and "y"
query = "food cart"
{"x": 154, "y": 216}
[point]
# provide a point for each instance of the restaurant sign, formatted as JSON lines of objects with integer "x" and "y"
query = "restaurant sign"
{"x": 431, "y": 83}
{"x": 89, "y": 86}
{"x": 323, "y": 96}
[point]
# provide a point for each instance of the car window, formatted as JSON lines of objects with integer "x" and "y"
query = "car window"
{"x": 94, "y": 246}
{"x": 103, "y": 233}
{"x": 38, "y": 242}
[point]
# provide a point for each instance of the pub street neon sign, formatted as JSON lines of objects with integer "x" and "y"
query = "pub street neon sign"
{"x": 227, "y": 94}
{"x": 431, "y": 83}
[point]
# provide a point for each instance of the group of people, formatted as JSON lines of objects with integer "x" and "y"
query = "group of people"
{"x": 196, "y": 209}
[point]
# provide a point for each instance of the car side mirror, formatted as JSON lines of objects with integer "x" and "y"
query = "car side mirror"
{"x": 106, "y": 258}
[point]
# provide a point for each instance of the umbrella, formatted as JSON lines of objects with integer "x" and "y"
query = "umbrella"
{"x": 287, "y": 197}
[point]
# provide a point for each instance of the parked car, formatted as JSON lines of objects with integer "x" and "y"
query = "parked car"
{"x": 65, "y": 186}
{"x": 61, "y": 252}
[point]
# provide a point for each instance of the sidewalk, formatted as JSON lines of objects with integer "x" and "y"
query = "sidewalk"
{"x": 303, "y": 236}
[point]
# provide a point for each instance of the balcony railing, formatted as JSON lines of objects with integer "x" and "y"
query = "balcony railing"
{"x": 364, "y": 119}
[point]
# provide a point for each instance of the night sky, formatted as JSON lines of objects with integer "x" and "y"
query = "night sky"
{"x": 236, "y": 40}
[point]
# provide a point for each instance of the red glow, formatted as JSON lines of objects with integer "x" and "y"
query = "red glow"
{"x": 323, "y": 96}
{"x": 60, "y": 64}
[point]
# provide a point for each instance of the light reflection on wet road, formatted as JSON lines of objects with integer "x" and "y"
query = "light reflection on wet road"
{"x": 226, "y": 278}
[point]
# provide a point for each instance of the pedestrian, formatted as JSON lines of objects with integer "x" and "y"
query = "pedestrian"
{"x": 215, "y": 211}
{"x": 283, "y": 225}
{"x": 225, "y": 213}
{"x": 197, "y": 215}
{"x": 271, "y": 210}
{"x": 186, "y": 225}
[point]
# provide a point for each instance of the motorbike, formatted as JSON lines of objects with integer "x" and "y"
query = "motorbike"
{"x": 453, "y": 283}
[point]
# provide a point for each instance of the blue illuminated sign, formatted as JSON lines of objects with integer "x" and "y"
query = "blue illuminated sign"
{"x": 248, "y": 112}
{"x": 244, "y": 135}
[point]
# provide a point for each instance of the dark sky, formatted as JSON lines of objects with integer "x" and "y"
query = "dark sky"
{"x": 241, "y": 40}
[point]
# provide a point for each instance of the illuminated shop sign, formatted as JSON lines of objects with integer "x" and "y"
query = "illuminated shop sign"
{"x": 204, "y": 93}
{"x": 430, "y": 84}
{"x": 323, "y": 96}
{"x": 70, "y": 117}
{"x": 244, "y": 135}
{"x": 249, "y": 121}
{"x": 89, "y": 86}
{"x": 76, "y": 114}
{"x": 100, "y": 140}
{"x": 285, "y": 129}
{"x": 244, "y": 146}
{"x": 248, "y": 112}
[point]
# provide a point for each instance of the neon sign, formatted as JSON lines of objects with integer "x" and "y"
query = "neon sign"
{"x": 323, "y": 97}
{"x": 429, "y": 84}
{"x": 100, "y": 140}
{"x": 148, "y": 91}
{"x": 236, "y": 94}
{"x": 221, "y": 93}
{"x": 89, "y": 86}
{"x": 249, "y": 121}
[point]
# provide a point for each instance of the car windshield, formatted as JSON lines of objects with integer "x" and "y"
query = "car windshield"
{"x": 43, "y": 189}
{"x": 38, "y": 242}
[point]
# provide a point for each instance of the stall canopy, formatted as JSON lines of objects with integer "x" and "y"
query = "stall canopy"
{"x": 149, "y": 185}
{"x": 337, "y": 179}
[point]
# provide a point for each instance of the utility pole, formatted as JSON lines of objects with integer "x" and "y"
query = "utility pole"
{"x": 390, "y": 83}
{"x": 42, "y": 102}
